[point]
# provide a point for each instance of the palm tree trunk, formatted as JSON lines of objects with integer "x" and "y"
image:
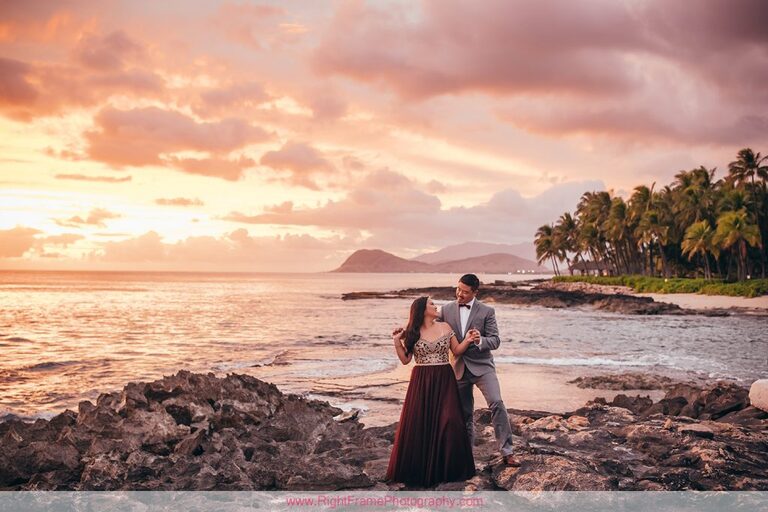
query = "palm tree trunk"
{"x": 706, "y": 266}
{"x": 663, "y": 260}
{"x": 743, "y": 260}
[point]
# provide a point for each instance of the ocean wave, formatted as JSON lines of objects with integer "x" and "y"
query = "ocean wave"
{"x": 18, "y": 339}
{"x": 47, "y": 365}
{"x": 575, "y": 361}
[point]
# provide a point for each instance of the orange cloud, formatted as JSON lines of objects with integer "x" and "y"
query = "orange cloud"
{"x": 96, "y": 217}
{"x": 17, "y": 241}
{"x": 83, "y": 177}
{"x": 141, "y": 137}
{"x": 232, "y": 251}
{"x": 15, "y": 88}
{"x": 179, "y": 201}
{"x": 231, "y": 170}
{"x": 40, "y": 20}
{"x": 399, "y": 213}
{"x": 64, "y": 240}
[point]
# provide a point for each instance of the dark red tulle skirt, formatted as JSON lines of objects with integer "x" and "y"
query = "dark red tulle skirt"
{"x": 431, "y": 442}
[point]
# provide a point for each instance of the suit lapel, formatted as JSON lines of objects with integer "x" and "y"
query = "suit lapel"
{"x": 472, "y": 313}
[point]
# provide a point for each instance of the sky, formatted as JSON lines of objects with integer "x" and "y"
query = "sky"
{"x": 283, "y": 136}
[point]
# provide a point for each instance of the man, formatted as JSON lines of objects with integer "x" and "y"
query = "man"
{"x": 475, "y": 367}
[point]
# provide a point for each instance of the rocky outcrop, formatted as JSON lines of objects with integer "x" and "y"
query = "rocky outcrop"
{"x": 621, "y": 381}
{"x": 507, "y": 293}
{"x": 697, "y": 439}
{"x": 758, "y": 394}
{"x": 200, "y": 432}
{"x": 191, "y": 431}
{"x": 544, "y": 293}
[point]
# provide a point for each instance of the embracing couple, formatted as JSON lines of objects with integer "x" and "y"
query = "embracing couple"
{"x": 433, "y": 442}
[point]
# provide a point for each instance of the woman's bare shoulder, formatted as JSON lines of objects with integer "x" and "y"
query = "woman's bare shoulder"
{"x": 443, "y": 326}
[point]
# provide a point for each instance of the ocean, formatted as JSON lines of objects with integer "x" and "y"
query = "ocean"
{"x": 68, "y": 336}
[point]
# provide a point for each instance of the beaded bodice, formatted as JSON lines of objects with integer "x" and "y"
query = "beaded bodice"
{"x": 429, "y": 353}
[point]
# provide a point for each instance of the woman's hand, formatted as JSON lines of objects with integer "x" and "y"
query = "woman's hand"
{"x": 397, "y": 339}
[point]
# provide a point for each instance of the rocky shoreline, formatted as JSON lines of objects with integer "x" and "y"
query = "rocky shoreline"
{"x": 545, "y": 293}
{"x": 200, "y": 432}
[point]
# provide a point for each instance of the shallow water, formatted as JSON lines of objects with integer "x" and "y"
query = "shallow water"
{"x": 67, "y": 336}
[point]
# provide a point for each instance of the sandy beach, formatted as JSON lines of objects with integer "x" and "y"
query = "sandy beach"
{"x": 697, "y": 301}
{"x": 526, "y": 387}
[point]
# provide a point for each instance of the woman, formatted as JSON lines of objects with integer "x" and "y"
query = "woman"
{"x": 431, "y": 443}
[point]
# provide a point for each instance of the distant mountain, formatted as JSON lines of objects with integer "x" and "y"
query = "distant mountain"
{"x": 473, "y": 249}
{"x": 375, "y": 260}
{"x": 490, "y": 264}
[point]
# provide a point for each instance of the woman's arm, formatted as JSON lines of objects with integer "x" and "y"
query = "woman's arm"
{"x": 400, "y": 348}
{"x": 459, "y": 348}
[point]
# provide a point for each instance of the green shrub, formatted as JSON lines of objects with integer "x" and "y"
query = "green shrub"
{"x": 644, "y": 284}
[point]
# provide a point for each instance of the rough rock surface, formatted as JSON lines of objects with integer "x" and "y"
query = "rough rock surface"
{"x": 190, "y": 431}
{"x": 549, "y": 296}
{"x": 200, "y": 432}
{"x": 629, "y": 380}
{"x": 758, "y": 394}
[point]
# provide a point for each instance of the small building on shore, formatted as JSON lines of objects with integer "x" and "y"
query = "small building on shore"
{"x": 588, "y": 268}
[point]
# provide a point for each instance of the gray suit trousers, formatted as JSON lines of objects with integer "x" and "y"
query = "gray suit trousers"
{"x": 489, "y": 387}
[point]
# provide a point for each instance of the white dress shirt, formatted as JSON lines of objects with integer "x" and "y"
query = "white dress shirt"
{"x": 464, "y": 316}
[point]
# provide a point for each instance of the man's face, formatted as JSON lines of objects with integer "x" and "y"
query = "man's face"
{"x": 464, "y": 293}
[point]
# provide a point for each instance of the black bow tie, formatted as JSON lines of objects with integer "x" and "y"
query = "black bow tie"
{"x": 465, "y": 306}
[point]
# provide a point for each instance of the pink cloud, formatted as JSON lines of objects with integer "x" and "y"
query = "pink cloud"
{"x": 648, "y": 71}
{"x": 326, "y": 103}
{"x": 41, "y": 20}
{"x": 399, "y": 213}
{"x": 140, "y": 137}
{"x": 15, "y": 89}
{"x": 227, "y": 169}
{"x": 17, "y": 241}
{"x": 147, "y": 247}
{"x": 28, "y": 90}
{"x": 302, "y": 161}
{"x": 107, "y": 53}
{"x": 231, "y": 98}
{"x": 236, "y": 250}
{"x": 496, "y": 46}
{"x": 258, "y": 27}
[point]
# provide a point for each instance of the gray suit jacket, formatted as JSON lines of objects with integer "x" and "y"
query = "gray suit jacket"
{"x": 483, "y": 318}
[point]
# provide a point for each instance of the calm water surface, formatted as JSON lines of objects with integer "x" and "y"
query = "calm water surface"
{"x": 67, "y": 336}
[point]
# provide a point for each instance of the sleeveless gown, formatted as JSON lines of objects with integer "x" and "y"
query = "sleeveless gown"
{"x": 431, "y": 442}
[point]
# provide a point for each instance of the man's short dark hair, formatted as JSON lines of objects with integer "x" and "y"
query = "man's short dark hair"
{"x": 470, "y": 280}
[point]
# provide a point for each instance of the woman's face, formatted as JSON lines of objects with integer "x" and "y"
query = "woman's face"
{"x": 430, "y": 311}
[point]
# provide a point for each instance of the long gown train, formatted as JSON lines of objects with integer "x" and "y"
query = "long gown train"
{"x": 431, "y": 442}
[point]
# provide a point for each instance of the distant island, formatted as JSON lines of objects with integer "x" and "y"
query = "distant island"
{"x": 378, "y": 261}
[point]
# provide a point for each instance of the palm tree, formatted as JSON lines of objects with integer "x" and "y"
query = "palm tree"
{"x": 736, "y": 232}
{"x": 566, "y": 232}
{"x": 698, "y": 241}
{"x": 592, "y": 211}
{"x": 547, "y": 246}
{"x": 748, "y": 165}
{"x": 653, "y": 231}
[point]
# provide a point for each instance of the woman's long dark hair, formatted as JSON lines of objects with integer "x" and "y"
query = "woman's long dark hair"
{"x": 415, "y": 321}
